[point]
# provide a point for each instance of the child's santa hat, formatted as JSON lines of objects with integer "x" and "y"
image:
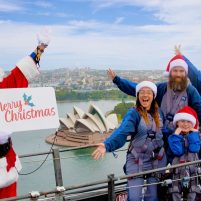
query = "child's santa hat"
{"x": 148, "y": 84}
{"x": 188, "y": 114}
{"x": 177, "y": 60}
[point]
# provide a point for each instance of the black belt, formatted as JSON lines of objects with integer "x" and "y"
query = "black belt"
{"x": 4, "y": 148}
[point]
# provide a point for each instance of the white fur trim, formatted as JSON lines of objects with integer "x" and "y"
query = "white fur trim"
{"x": 166, "y": 74}
{"x": 3, "y": 162}
{"x": 28, "y": 67}
{"x": 1, "y": 74}
{"x": 4, "y": 137}
{"x": 8, "y": 177}
{"x": 179, "y": 62}
{"x": 149, "y": 84}
{"x": 184, "y": 116}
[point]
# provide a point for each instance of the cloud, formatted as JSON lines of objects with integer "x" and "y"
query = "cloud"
{"x": 62, "y": 14}
{"x": 118, "y": 46}
{"x": 169, "y": 11}
{"x": 119, "y": 20}
{"x": 7, "y": 6}
{"x": 43, "y": 4}
{"x": 79, "y": 43}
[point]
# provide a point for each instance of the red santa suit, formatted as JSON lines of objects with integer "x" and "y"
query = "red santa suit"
{"x": 25, "y": 70}
{"x": 10, "y": 165}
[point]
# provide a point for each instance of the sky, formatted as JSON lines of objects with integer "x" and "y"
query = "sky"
{"x": 120, "y": 34}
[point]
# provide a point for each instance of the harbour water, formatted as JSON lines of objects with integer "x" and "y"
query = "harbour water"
{"x": 78, "y": 166}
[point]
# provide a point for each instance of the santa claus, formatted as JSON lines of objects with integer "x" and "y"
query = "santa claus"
{"x": 19, "y": 77}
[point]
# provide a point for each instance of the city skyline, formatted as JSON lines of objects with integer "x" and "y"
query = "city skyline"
{"x": 121, "y": 34}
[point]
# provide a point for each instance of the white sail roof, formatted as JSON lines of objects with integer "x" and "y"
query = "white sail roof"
{"x": 78, "y": 112}
{"x": 82, "y": 125}
{"x": 92, "y": 121}
{"x": 72, "y": 117}
{"x": 112, "y": 121}
{"x": 66, "y": 122}
{"x": 95, "y": 118}
{"x": 95, "y": 110}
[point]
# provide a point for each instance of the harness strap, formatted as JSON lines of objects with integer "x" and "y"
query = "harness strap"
{"x": 172, "y": 108}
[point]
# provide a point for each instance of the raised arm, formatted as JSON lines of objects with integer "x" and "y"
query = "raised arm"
{"x": 26, "y": 68}
{"x": 194, "y": 100}
{"x": 194, "y": 75}
{"x": 124, "y": 85}
{"x": 24, "y": 71}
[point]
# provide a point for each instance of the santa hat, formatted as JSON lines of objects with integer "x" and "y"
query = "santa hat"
{"x": 149, "y": 84}
{"x": 188, "y": 114}
{"x": 4, "y": 136}
{"x": 177, "y": 60}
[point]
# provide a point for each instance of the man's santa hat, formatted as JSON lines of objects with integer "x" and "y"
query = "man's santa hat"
{"x": 148, "y": 84}
{"x": 177, "y": 60}
{"x": 9, "y": 165}
{"x": 188, "y": 114}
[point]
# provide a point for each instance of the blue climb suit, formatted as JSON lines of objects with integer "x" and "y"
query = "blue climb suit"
{"x": 145, "y": 152}
{"x": 185, "y": 148}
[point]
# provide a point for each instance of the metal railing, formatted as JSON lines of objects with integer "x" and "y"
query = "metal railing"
{"x": 107, "y": 188}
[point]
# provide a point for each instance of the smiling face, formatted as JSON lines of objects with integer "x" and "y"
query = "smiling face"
{"x": 178, "y": 79}
{"x": 186, "y": 126}
{"x": 146, "y": 97}
{"x": 178, "y": 73}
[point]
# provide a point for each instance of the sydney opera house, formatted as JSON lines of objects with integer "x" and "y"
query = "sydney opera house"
{"x": 81, "y": 128}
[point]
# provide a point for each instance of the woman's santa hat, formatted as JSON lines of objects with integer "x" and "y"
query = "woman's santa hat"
{"x": 148, "y": 84}
{"x": 188, "y": 114}
{"x": 176, "y": 61}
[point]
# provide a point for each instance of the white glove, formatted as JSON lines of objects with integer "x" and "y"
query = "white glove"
{"x": 44, "y": 37}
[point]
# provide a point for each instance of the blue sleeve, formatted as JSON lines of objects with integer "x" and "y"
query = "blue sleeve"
{"x": 176, "y": 144}
{"x": 194, "y": 75}
{"x": 161, "y": 116}
{"x": 126, "y": 86}
{"x": 194, "y": 142}
{"x": 161, "y": 90}
{"x": 194, "y": 100}
{"x": 127, "y": 127}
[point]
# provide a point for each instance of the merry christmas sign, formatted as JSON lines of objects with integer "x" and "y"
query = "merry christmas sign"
{"x": 26, "y": 109}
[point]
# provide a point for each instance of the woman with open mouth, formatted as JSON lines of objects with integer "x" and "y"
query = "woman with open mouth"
{"x": 145, "y": 152}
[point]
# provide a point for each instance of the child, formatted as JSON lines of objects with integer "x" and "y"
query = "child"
{"x": 185, "y": 145}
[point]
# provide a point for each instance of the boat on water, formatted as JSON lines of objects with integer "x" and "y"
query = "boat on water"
{"x": 81, "y": 128}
